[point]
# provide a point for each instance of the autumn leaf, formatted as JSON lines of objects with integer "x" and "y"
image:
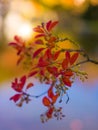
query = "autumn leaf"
{"x": 38, "y": 29}
{"x": 67, "y": 81}
{"x": 18, "y": 39}
{"x": 51, "y": 95}
{"x": 16, "y": 97}
{"x": 29, "y": 85}
{"x": 38, "y": 52}
{"x": 42, "y": 62}
{"x": 14, "y": 44}
{"x": 67, "y": 54}
{"x": 50, "y": 92}
{"x": 18, "y": 85}
{"x": 32, "y": 73}
{"x": 68, "y": 73}
{"x": 65, "y": 64}
{"x": 39, "y": 35}
{"x": 54, "y": 98}
{"x": 50, "y": 25}
{"x": 46, "y": 101}
{"x": 52, "y": 39}
{"x": 53, "y": 70}
{"x": 23, "y": 80}
{"x": 50, "y": 112}
{"x": 49, "y": 54}
{"x": 39, "y": 42}
{"x": 74, "y": 58}
{"x": 56, "y": 55}
{"x": 20, "y": 59}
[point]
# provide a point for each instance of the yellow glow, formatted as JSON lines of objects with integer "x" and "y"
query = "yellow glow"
{"x": 94, "y": 2}
{"x": 25, "y": 30}
{"x": 16, "y": 25}
{"x": 67, "y": 3}
{"x": 51, "y": 2}
{"x": 78, "y": 2}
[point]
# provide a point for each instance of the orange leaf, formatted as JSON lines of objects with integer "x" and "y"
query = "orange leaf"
{"x": 54, "y": 98}
{"x": 37, "y": 52}
{"x": 38, "y": 29}
{"x": 46, "y": 101}
{"x": 74, "y": 58}
{"x": 52, "y": 39}
{"x": 29, "y": 85}
{"x": 20, "y": 59}
{"x": 50, "y": 92}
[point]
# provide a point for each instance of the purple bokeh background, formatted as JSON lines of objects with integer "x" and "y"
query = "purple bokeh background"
{"x": 81, "y": 111}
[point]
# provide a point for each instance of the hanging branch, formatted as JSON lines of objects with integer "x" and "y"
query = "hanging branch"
{"x": 43, "y": 57}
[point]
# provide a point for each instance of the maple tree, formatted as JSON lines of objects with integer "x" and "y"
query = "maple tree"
{"x": 51, "y": 64}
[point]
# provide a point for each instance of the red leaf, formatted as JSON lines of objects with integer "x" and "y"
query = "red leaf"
{"x": 68, "y": 73}
{"x": 19, "y": 40}
{"x": 56, "y": 55}
{"x": 52, "y": 25}
{"x": 43, "y": 62}
{"x": 50, "y": 112}
{"x": 46, "y": 102}
{"x": 53, "y": 70}
{"x": 48, "y": 24}
{"x": 18, "y": 86}
{"x": 37, "y": 52}
{"x": 23, "y": 80}
{"x": 32, "y": 73}
{"x": 49, "y": 54}
{"x": 14, "y": 44}
{"x": 65, "y": 64}
{"x": 16, "y": 97}
{"x": 42, "y": 72}
{"x": 67, "y": 81}
{"x": 39, "y": 41}
{"x": 20, "y": 59}
{"x": 67, "y": 54}
{"x": 38, "y": 29}
{"x": 74, "y": 58}
{"x": 40, "y": 35}
{"x": 29, "y": 85}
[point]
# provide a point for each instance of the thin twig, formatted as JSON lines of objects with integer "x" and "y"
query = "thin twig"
{"x": 67, "y": 98}
{"x": 35, "y": 96}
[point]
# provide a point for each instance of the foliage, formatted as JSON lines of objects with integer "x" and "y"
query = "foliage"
{"x": 51, "y": 64}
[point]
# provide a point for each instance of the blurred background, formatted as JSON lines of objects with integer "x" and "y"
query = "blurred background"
{"x": 78, "y": 20}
